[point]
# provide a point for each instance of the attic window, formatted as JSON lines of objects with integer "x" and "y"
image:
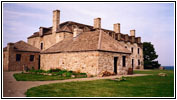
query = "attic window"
{"x": 18, "y": 57}
{"x": 116, "y": 36}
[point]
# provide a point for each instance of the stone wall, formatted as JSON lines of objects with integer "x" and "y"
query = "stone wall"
{"x": 5, "y": 60}
{"x": 11, "y": 64}
{"x": 135, "y": 54}
{"x": 48, "y": 40}
{"x": 106, "y": 63}
{"x": 86, "y": 62}
{"x": 92, "y": 62}
{"x": 25, "y": 61}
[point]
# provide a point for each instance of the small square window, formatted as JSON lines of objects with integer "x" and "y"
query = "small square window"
{"x": 31, "y": 57}
{"x": 18, "y": 57}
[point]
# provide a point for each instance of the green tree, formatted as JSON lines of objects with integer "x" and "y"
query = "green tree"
{"x": 150, "y": 55}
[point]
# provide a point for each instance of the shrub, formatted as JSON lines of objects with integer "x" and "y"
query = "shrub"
{"x": 83, "y": 74}
{"x": 54, "y": 70}
{"x": 68, "y": 74}
{"x": 40, "y": 71}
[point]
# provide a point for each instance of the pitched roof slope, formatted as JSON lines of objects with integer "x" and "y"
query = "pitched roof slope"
{"x": 23, "y": 46}
{"x": 67, "y": 26}
{"x": 92, "y": 40}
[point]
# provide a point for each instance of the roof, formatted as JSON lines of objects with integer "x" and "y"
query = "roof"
{"x": 5, "y": 49}
{"x": 69, "y": 26}
{"x": 88, "y": 41}
{"x": 23, "y": 46}
{"x": 65, "y": 27}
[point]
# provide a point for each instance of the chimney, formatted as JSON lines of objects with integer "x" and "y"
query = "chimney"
{"x": 41, "y": 31}
{"x": 97, "y": 23}
{"x": 117, "y": 27}
{"x": 126, "y": 37}
{"x": 56, "y": 20}
{"x": 139, "y": 39}
{"x": 77, "y": 31}
{"x": 132, "y": 32}
{"x": 10, "y": 46}
{"x": 119, "y": 36}
{"x": 133, "y": 39}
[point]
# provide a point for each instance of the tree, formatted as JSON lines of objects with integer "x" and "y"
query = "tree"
{"x": 150, "y": 55}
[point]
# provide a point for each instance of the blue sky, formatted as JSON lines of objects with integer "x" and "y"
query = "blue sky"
{"x": 154, "y": 22}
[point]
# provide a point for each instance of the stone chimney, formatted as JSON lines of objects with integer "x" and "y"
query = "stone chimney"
{"x": 139, "y": 39}
{"x": 126, "y": 37}
{"x": 119, "y": 36}
{"x": 132, "y": 32}
{"x": 77, "y": 31}
{"x": 10, "y": 46}
{"x": 117, "y": 27}
{"x": 97, "y": 23}
{"x": 41, "y": 31}
{"x": 133, "y": 39}
{"x": 56, "y": 20}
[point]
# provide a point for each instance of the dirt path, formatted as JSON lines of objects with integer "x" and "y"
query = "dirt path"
{"x": 13, "y": 88}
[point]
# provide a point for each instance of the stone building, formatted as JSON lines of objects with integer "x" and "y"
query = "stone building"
{"x": 18, "y": 55}
{"x": 84, "y": 48}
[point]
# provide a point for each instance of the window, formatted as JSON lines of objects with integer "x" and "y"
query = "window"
{"x": 18, "y": 57}
{"x": 138, "y": 62}
{"x": 138, "y": 50}
{"x": 125, "y": 46}
{"x": 123, "y": 61}
{"x": 31, "y": 57}
{"x": 41, "y": 46}
{"x": 132, "y": 49}
{"x": 132, "y": 63}
{"x": 116, "y": 36}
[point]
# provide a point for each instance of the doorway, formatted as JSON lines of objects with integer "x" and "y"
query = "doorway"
{"x": 115, "y": 64}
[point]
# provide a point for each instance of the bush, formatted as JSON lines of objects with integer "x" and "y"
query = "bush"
{"x": 54, "y": 70}
{"x": 68, "y": 74}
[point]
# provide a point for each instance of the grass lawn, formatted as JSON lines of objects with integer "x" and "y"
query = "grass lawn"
{"x": 142, "y": 86}
{"x": 37, "y": 77}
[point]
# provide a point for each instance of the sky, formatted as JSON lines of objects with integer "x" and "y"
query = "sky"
{"x": 153, "y": 22}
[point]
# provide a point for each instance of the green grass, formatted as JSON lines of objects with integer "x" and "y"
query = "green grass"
{"x": 142, "y": 86}
{"x": 37, "y": 77}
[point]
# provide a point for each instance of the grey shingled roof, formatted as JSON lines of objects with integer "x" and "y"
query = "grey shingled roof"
{"x": 88, "y": 41}
{"x": 23, "y": 46}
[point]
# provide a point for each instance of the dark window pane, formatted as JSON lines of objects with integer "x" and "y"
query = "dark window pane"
{"x": 18, "y": 57}
{"x": 31, "y": 57}
{"x": 132, "y": 49}
{"x": 123, "y": 61}
{"x": 138, "y": 62}
{"x": 138, "y": 50}
{"x": 41, "y": 46}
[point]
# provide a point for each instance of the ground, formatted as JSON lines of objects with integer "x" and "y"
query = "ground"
{"x": 148, "y": 86}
